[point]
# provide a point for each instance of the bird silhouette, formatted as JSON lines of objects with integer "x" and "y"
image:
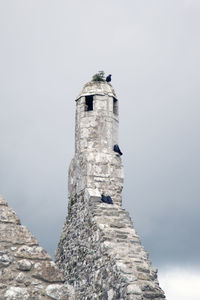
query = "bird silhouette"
{"x": 116, "y": 149}
{"x": 108, "y": 78}
{"x": 106, "y": 199}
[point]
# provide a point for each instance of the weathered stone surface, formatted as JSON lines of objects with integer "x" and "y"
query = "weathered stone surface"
{"x": 2, "y": 286}
{"x": 117, "y": 225}
{"x": 95, "y": 165}
{"x": 21, "y": 278}
{"x": 3, "y": 201}
{"x": 7, "y": 215}
{"x": 24, "y": 265}
{"x": 5, "y": 259}
{"x": 33, "y": 252}
{"x": 94, "y": 260}
{"x": 134, "y": 289}
{"x": 26, "y": 270}
{"x": 60, "y": 292}
{"x": 16, "y": 293}
{"x": 123, "y": 268}
{"x": 99, "y": 251}
{"x": 11, "y": 233}
{"x": 97, "y": 88}
{"x": 6, "y": 275}
{"x": 47, "y": 271}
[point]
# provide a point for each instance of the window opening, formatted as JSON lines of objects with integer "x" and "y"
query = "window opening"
{"x": 88, "y": 103}
{"x": 115, "y": 106}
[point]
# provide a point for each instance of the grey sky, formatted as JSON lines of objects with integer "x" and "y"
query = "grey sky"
{"x": 49, "y": 50}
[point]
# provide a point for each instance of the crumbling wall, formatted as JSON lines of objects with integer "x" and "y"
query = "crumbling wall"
{"x": 99, "y": 251}
{"x": 27, "y": 271}
{"x": 101, "y": 255}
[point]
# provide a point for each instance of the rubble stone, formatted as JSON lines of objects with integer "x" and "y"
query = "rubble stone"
{"x": 3, "y": 201}
{"x": 10, "y": 233}
{"x": 16, "y": 293}
{"x": 47, "y": 271}
{"x": 24, "y": 265}
{"x": 59, "y": 292}
{"x": 99, "y": 255}
{"x": 7, "y": 215}
{"x": 33, "y": 252}
{"x": 22, "y": 260}
{"x": 99, "y": 251}
{"x": 5, "y": 260}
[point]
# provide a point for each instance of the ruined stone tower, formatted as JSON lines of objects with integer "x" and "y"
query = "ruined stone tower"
{"x": 100, "y": 252}
{"x": 95, "y": 165}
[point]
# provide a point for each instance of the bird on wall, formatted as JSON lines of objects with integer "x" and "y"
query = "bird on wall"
{"x": 116, "y": 149}
{"x": 106, "y": 199}
{"x": 108, "y": 78}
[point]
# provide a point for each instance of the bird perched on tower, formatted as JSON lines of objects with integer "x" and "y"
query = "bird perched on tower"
{"x": 108, "y": 78}
{"x": 116, "y": 149}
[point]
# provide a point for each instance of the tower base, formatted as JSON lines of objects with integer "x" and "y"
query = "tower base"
{"x": 101, "y": 254}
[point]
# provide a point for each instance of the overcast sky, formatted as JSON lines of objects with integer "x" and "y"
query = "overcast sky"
{"x": 48, "y": 51}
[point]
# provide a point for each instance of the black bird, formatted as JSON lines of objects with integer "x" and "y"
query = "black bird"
{"x": 108, "y": 78}
{"x": 106, "y": 199}
{"x": 109, "y": 200}
{"x": 116, "y": 149}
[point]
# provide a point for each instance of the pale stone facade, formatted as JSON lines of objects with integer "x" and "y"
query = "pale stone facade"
{"x": 95, "y": 164}
{"x": 99, "y": 252}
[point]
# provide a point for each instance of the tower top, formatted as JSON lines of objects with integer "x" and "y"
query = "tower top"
{"x": 97, "y": 88}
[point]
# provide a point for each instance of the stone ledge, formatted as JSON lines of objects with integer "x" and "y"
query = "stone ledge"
{"x": 92, "y": 195}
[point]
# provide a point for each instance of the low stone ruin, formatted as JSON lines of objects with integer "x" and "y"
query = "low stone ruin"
{"x": 27, "y": 271}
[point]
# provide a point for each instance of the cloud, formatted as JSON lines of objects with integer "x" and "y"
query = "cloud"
{"x": 180, "y": 283}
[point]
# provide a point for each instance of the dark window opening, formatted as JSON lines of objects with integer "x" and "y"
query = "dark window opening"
{"x": 115, "y": 106}
{"x": 88, "y": 103}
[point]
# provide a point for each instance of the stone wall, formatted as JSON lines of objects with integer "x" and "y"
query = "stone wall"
{"x": 27, "y": 272}
{"x": 95, "y": 164}
{"x": 94, "y": 170}
{"x": 99, "y": 251}
{"x": 101, "y": 255}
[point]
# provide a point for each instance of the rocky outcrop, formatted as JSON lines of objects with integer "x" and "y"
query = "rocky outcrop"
{"x": 101, "y": 254}
{"x": 26, "y": 269}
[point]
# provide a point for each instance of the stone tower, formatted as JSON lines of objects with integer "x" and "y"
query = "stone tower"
{"x": 99, "y": 251}
{"x": 96, "y": 165}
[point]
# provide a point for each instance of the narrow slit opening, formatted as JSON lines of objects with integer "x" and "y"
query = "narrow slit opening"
{"x": 88, "y": 103}
{"x": 115, "y": 106}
